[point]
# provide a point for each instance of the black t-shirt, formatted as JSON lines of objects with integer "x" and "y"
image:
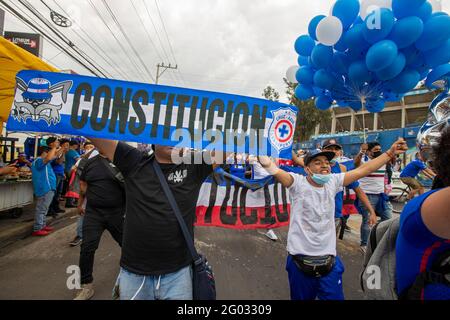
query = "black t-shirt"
{"x": 103, "y": 191}
{"x": 153, "y": 243}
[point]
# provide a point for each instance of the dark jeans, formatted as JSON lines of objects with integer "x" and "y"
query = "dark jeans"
{"x": 96, "y": 220}
{"x": 59, "y": 188}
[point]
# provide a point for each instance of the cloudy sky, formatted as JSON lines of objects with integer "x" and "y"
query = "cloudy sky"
{"x": 233, "y": 46}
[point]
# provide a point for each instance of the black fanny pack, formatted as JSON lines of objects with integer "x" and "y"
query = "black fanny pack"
{"x": 315, "y": 266}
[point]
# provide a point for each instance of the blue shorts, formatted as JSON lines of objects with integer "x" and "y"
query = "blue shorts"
{"x": 304, "y": 287}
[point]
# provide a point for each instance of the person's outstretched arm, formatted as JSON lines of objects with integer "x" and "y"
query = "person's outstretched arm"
{"x": 364, "y": 170}
{"x": 105, "y": 147}
{"x": 436, "y": 214}
{"x": 282, "y": 176}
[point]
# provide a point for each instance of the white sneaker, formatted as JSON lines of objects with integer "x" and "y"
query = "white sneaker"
{"x": 271, "y": 235}
{"x": 86, "y": 292}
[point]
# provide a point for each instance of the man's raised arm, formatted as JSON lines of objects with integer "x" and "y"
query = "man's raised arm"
{"x": 282, "y": 176}
{"x": 105, "y": 147}
{"x": 364, "y": 170}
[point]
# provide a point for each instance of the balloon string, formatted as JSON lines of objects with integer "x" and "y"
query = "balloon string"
{"x": 364, "y": 121}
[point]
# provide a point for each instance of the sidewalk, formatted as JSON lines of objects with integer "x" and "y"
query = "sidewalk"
{"x": 13, "y": 229}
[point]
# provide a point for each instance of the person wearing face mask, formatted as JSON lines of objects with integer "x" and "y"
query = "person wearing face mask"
{"x": 337, "y": 167}
{"x": 374, "y": 186}
{"x": 314, "y": 270}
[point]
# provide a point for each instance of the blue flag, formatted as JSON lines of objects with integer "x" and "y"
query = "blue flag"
{"x": 119, "y": 110}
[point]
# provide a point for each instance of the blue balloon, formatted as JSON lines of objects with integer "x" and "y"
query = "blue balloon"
{"x": 392, "y": 97}
{"x": 322, "y": 55}
{"x": 358, "y": 72}
{"x": 394, "y": 69}
{"x": 436, "y": 32}
{"x": 341, "y": 45}
{"x": 347, "y": 11}
{"x": 406, "y": 8}
{"x": 425, "y": 11}
{"x": 404, "y": 82}
{"x": 439, "y": 13}
{"x": 303, "y": 61}
{"x": 381, "y": 55}
{"x": 440, "y": 72}
{"x": 319, "y": 92}
{"x": 305, "y": 75}
{"x": 355, "y": 105}
{"x": 354, "y": 38}
{"x": 323, "y": 102}
{"x": 406, "y": 31}
{"x": 323, "y": 79}
{"x": 411, "y": 54}
{"x": 303, "y": 92}
{"x": 313, "y": 26}
{"x": 340, "y": 63}
{"x": 304, "y": 45}
{"x": 375, "y": 106}
{"x": 311, "y": 64}
{"x": 378, "y": 25}
{"x": 438, "y": 56}
{"x": 355, "y": 54}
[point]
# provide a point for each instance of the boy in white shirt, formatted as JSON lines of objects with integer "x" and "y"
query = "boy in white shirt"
{"x": 313, "y": 267}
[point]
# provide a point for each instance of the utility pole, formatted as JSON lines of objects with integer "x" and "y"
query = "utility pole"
{"x": 163, "y": 67}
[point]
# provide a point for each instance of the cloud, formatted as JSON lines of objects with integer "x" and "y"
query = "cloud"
{"x": 233, "y": 46}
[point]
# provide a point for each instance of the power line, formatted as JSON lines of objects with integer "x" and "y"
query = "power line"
{"x": 111, "y": 61}
{"x": 159, "y": 38}
{"x": 37, "y": 29}
{"x": 168, "y": 40}
{"x": 115, "y": 37}
{"x": 127, "y": 39}
{"x": 62, "y": 37}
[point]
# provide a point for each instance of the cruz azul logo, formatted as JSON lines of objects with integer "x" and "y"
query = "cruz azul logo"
{"x": 37, "y": 98}
{"x": 281, "y": 129}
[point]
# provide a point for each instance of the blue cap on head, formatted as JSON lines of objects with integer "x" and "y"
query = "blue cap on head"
{"x": 316, "y": 153}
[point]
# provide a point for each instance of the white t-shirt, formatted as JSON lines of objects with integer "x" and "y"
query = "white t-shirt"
{"x": 258, "y": 172}
{"x": 374, "y": 182}
{"x": 312, "y": 229}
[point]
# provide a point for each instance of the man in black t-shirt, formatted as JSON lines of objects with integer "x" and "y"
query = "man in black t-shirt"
{"x": 155, "y": 262}
{"x": 105, "y": 209}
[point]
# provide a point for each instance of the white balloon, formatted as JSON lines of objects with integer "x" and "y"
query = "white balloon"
{"x": 329, "y": 30}
{"x": 436, "y": 4}
{"x": 368, "y": 6}
{"x": 290, "y": 74}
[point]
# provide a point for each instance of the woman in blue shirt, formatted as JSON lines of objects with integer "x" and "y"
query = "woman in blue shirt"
{"x": 424, "y": 235}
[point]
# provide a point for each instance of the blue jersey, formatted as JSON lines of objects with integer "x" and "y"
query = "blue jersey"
{"x": 417, "y": 249}
{"x": 238, "y": 170}
{"x": 44, "y": 179}
{"x": 413, "y": 169}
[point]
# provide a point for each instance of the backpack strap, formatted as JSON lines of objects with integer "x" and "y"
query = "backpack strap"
{"x": 436, "y": 275}
{"x": 113, "y": 169}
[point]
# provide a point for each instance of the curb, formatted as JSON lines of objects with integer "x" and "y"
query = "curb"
{"x": 25, "y": 229}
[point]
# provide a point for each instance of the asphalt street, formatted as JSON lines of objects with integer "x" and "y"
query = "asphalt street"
{"x": 247, "y": 264}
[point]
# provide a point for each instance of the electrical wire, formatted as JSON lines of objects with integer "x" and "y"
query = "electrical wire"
{"x": 117, "y": 40}
{"x": 63, "y": 38}
{"x": 127, "y": 38}
{"x": 39, "y": 30}
{"x": 111, "y": 61}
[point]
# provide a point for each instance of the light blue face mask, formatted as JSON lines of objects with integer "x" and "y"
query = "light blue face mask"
{"x": 321, "y": 178}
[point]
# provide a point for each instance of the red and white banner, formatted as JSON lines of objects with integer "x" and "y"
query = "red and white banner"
{"x": 237, "y": 207}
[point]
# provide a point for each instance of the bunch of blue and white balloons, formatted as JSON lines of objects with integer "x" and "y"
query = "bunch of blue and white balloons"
{"x": 369, "y": 52}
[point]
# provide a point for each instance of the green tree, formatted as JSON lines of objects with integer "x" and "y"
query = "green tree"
{"x": 308, "y": 116}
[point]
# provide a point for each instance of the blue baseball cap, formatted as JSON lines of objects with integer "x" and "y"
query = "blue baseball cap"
{"x": 316, "y": 153}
